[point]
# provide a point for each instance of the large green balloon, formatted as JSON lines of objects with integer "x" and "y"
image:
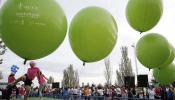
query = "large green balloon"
{"x": 153, "y": 50}
{"x": 165, "y": 75}
{"x": 32, "y": 28}
{"x": 92, "y": 34}
{"x": 143, "y": 15}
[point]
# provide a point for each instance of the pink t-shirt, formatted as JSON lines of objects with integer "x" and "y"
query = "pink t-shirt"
{"x": 42, "y": 79}
{"x": 22, "y": 91}
{"x": 13, "y": 92}
{"x": 32, "y": 72}
{"x": 11, "y": 79}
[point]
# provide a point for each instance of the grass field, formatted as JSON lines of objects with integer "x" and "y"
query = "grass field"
{"x": 43, "y": 99}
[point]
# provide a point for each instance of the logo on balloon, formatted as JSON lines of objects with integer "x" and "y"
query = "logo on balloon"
{"x": 32, "y": 29}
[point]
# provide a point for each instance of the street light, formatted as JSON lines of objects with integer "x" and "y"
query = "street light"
{"x": 134, "y": 49}
{"x": 133, "y": 45}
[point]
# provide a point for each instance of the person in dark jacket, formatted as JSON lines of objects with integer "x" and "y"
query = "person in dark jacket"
{"x": 170, "y": 95}
{"x": 130, "y": 95}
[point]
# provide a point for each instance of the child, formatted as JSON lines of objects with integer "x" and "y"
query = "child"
{"x": 11, "y": 80}
{"x": 14, "y": 94}
{"x": 22, "y": 91}
{"x": 42, "y": 84}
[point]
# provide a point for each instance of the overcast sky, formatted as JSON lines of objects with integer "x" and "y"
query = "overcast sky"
{"x": 55, "y": 63}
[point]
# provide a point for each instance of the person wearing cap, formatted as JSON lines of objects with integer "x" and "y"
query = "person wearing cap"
{"x": 32, "y": 72}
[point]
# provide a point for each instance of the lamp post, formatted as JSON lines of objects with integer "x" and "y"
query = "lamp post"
{"x": 134, "y": 49}
{"x": 133, "y": 45}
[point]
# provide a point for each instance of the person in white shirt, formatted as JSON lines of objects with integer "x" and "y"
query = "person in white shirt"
{"x": 118, "y": 92}
{"x": 100, "y": 91}
{"x": 75, "y": 93}
{"x": 151, "y": 93}
{"x": 79, "y": 93}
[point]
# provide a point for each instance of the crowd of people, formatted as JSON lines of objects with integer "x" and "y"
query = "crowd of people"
{"x": 100, "y": 92}
{"x": 93, "y": 92}
{"x": 115, "y": 92}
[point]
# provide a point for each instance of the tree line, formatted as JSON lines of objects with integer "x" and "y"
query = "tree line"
{"x": 71, "y": 76}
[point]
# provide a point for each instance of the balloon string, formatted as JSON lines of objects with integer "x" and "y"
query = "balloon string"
{"x": 84, "y": 63}
{"x": 25, "y": 61}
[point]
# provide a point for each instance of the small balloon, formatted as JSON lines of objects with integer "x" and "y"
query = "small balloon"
{"x": 165, "y": 75}
{"x": 153, "y": 50}
{"x": 93, "y": 34}
{"x": 14, "y": 69}
{"x": 143, "y": 15}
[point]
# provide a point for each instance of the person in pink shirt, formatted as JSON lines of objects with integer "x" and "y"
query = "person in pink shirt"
{"x": 32, "y": 72}
{"x": 11, "y": 80}
{"x": 22, "y": 91}
{"x": 42, "y": 83}
{"x": 13, "y": 94}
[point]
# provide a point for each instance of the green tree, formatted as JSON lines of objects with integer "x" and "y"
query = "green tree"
{"x": 70, "y": 77}
{"x": 51, "y": 80}
{"x": 108, "y": 71}
{"x": 125, "y": 67}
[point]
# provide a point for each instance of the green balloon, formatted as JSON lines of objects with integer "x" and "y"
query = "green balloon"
{"x": 92, "y": 34}
{"x": 170, "y": 59}
{"x": 153, "y": 50}
{"x": 165, "y": 75}
{"x": 32, "y": 28}
{"x": 143, "y": 15}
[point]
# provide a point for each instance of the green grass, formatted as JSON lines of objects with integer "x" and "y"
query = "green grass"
{"x": 43, "y": 99}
